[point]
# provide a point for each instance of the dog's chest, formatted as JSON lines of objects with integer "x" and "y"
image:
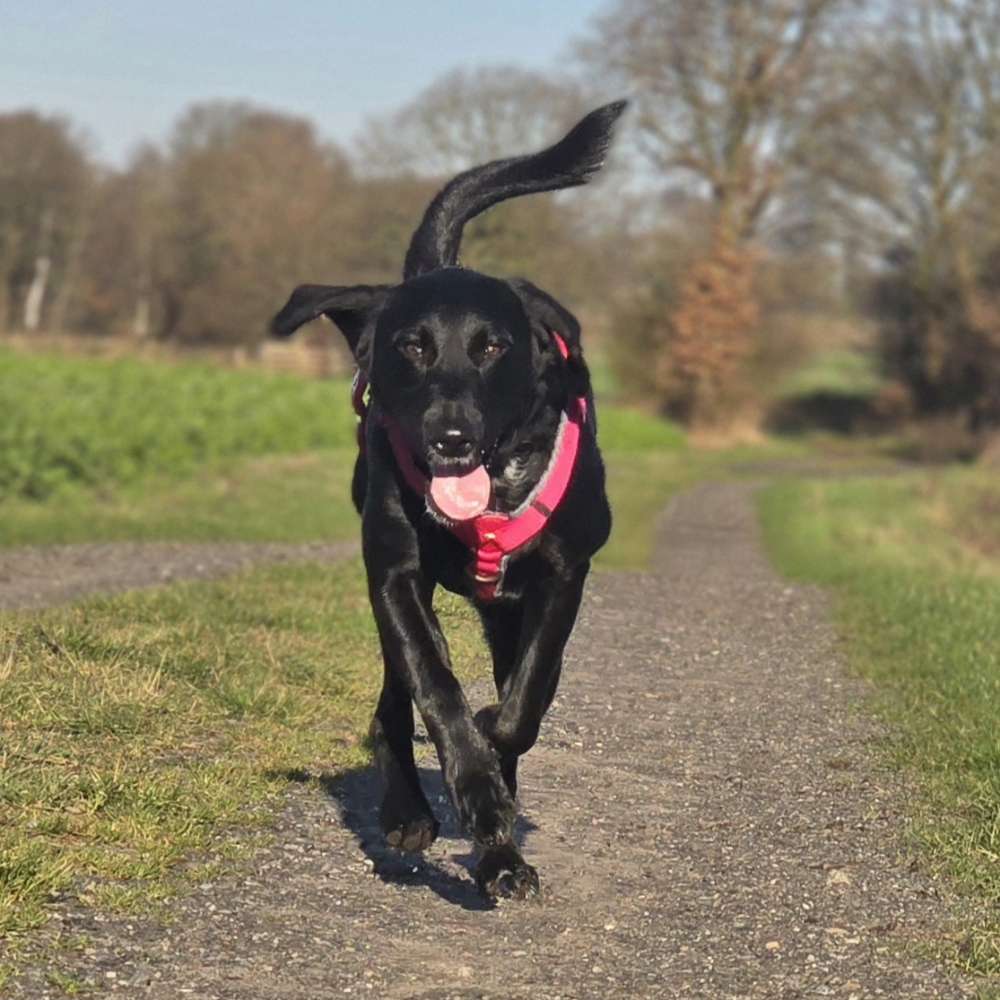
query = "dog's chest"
{"x": 517, "y": 477}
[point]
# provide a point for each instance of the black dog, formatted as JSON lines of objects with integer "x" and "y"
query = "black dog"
{"x": 480, "y": 397}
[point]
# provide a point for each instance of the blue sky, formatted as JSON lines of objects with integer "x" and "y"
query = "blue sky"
{"x": 123, "y": 71}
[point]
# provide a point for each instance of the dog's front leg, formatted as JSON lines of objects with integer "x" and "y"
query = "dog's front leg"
{"x": 406, "y": 816}
{"x": 414, "y": 646}
{"x": 550, "y": 610}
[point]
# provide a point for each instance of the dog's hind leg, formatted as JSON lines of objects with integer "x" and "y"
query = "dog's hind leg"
{"x": 502, "y": 624}
{"x": 406, "y": 817}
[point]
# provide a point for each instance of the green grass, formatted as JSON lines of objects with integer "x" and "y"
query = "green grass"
{"x": 137, "y": 729}
{"x": 915, "y": 564}
{"x": 625, "y": 431}
{"x": 305, "y": 496}
{"x": 101, "y": 423}
{"x": 279, "y": 498}
{"x": 221, "y": 489}
{"x": 838, "y": 372}
{"x": 639, "y": 486}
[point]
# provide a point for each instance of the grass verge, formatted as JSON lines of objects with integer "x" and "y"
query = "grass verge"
{"x": 276, "y": 498}
{"x": 137, "y": 729}
{"x": 914, "y": 562}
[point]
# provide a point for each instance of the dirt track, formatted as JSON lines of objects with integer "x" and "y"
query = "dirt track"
{"x": 47, "y": 575}
{"x": 703, "y": 808}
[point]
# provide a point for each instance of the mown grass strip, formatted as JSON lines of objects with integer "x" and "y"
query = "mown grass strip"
{"x": 275, "y": 498}
{"x": 918, "y": 602}
{"x": 136, "y": 729}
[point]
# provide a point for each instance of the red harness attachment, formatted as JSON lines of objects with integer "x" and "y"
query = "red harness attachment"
{"x": 493, "y": 536}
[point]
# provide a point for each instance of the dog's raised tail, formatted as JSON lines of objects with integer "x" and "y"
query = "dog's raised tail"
{"x": 571, "y": 161}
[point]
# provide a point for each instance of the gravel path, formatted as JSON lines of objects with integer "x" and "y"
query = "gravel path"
{"x": 703, "y": 807}
{"x": 37, "y": 577}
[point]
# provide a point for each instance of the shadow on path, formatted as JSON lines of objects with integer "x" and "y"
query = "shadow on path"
{"x": 446, "y": 869}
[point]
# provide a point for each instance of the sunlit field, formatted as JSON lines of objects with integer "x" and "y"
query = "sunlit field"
{"x": 914, "y": 564}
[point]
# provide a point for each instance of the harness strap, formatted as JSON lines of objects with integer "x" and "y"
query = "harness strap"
{"x": 493, "y": 536}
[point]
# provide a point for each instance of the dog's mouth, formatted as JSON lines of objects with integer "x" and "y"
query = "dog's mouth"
{"x": 461, "y": 496}
{"x": 460, "y": 490}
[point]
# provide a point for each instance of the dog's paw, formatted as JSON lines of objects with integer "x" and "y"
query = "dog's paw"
{"x": 486, "y": 721}
{"x": 407, "y": 830}
{"x": 504, "y": 874}
{"x": 486, "y": 809}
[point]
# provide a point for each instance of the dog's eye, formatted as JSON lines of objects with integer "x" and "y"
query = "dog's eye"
{"x": 494, "y": 349}
{"x": 413, "y": 349}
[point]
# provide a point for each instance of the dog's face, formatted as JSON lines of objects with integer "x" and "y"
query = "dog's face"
{"x": 455, "y": 364}
{"x": 455, "y": 358}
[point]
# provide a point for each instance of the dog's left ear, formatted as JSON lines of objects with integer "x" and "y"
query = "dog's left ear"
{"x": 549, "y": 316}
{"x": 353, "y": 308}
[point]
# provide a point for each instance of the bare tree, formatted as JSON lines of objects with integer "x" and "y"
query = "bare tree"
{"x": 732, "y": 97}
{"x": 123, "y": 250}
{"x": 45, "y": 177}
{"x": 467, "y": 117}
{"x": 254, "y": 202}
{"x": 730, "y": 93}
{"x": 909, "y": 154}
{"x": 918, "y": 177}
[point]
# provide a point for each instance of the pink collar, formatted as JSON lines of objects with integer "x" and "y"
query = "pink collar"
{"x": 494, "y": 536}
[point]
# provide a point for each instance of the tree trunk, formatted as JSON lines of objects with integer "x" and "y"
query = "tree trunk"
{"x": 990, "y": 455}
{"x": 140, "y": 318}
{"x": 36, "y": 294}
{"x": 35, "y": 299}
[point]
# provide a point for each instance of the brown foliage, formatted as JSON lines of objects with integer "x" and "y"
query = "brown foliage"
{"x": 702, "y": 369}
{"x": 256, "y": 203}
{"x": 201, "y": 243}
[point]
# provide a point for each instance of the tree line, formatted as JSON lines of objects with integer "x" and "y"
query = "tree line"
{"x": 795, "y": 175}
{"x": 199, "y": 241}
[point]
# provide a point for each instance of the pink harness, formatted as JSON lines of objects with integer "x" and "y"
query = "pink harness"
{"x": 493, "y": 537}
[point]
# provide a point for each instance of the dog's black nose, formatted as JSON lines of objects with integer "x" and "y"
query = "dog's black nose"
{"x": 453, "y": 444}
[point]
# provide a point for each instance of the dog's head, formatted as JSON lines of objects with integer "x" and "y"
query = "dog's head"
{"x": 456, "y": 358}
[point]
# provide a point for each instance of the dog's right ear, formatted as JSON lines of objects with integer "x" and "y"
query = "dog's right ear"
{"x": 353, "y": 308}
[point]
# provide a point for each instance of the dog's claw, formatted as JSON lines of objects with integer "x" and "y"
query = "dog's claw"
{"x": 522, "y": 883}
{"x": 504, "y": 874}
